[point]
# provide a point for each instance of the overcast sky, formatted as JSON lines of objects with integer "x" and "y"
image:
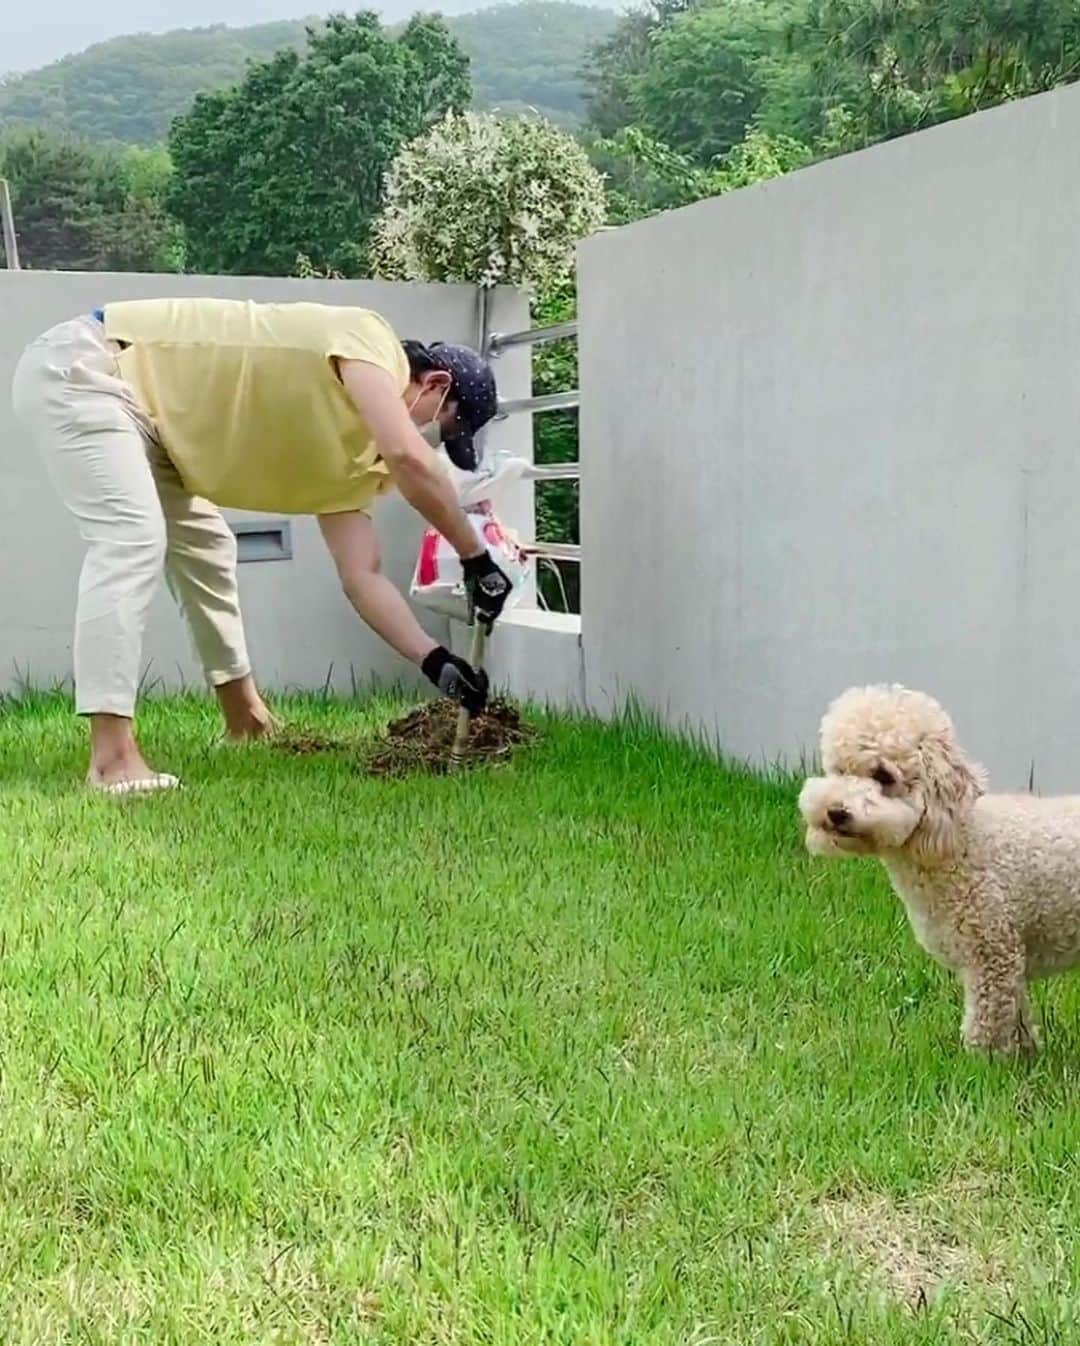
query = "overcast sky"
{"x": 26, "y": 41}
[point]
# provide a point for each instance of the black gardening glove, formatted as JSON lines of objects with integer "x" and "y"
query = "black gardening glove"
{"x": 456, "y": 679}
{"x": 487, "y": 587}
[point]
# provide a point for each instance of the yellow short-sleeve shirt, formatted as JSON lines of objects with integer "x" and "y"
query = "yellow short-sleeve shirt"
{"x": 247, "y": 403}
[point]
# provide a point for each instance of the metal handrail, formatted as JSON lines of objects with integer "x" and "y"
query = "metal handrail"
{"x": 555, "y": 551}
{"x": 554, "y": 472}
{"x": 564, "y": 401}
{"x": 544, "y": 402}
{"x": 502, "y": 341}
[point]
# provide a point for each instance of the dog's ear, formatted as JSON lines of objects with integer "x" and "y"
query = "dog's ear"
{"x": 951, "y": 784}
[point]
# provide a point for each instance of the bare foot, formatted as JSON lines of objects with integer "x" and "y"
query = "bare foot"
{"x": 251, "y": 726}
{"x": 247, "y": 716}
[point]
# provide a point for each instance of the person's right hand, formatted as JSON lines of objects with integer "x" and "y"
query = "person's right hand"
{"x": 457, "y": 679}
{"x": 487, "y": 586}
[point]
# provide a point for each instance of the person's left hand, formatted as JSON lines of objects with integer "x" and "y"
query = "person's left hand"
{"x": 487, "y": 587}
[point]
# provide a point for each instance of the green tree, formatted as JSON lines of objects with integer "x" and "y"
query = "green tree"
{"x": 698, "y": 79}
{"x": 79, "y": 207}
{"x": 645, "y": 175}
{"x": 898, "y": 65}
{"x": 63, "y": 193}
{"x": 620, "y": 59}
{"x": 142, "y": 235}
{"x": 292, "y": 159}
{"x": 705, "y": 78}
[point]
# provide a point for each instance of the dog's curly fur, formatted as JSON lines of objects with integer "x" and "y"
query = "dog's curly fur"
{"x": 991, "y": 883}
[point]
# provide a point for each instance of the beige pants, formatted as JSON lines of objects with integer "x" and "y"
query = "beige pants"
{"x": 134, "y": 516}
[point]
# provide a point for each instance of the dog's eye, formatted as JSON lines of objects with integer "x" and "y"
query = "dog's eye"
{"x": 884, "y": 777}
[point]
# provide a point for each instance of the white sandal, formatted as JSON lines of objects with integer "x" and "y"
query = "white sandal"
{"x": 146, "y": 785}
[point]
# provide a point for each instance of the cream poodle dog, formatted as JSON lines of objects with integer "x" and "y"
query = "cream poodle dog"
{"x": 991, "y": 883}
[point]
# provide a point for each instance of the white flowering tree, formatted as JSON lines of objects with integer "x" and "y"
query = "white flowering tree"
{"x": 487, "y": 200}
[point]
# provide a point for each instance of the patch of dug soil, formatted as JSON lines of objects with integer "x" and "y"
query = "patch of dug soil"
{"x": 421, "y": 740}
{"x": 299, "y": 743}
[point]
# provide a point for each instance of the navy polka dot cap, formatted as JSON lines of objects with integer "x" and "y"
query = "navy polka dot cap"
{"x": 474, "y": 390}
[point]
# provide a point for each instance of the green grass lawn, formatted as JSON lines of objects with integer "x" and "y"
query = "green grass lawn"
{"x": 583, "y": 1050}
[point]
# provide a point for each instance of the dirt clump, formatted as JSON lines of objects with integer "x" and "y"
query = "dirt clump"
{"x": 421, "y": 740}
{"x": 301, "y": 743}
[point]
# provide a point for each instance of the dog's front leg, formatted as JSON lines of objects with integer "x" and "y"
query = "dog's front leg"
{"x": 997, "y": 1013}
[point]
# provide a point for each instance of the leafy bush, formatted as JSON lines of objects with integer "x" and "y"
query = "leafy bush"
{"x": 487, "y": 200}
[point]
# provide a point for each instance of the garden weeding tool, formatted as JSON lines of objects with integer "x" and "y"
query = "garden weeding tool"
{"x": 461, "y": 736}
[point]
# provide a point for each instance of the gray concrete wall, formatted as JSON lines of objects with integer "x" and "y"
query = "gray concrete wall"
{"x": 301, "y": 629}
{"x": 831, "y": 432}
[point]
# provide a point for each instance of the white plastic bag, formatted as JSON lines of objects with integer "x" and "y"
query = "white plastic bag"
{"x": 438, "y": 583}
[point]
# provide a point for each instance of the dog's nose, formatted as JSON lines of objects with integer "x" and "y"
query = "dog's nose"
{"x": 838, "y": 816}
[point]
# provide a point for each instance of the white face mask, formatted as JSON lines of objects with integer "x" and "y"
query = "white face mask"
{"x": 431, "y": 431}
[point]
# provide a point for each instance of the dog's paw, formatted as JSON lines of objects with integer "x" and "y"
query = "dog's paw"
{"x": 1017, "y": 1042}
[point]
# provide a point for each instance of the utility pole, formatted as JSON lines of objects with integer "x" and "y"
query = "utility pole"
{"x": 7, "y": 219}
